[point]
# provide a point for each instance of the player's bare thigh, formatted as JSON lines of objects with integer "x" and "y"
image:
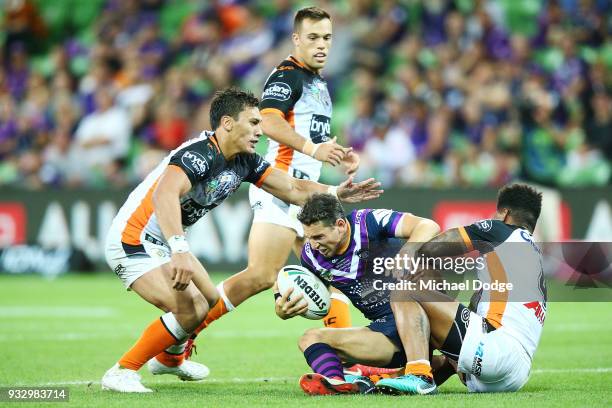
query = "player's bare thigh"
{"x": 354, "y": 344}
{"x": 190, "y": 306}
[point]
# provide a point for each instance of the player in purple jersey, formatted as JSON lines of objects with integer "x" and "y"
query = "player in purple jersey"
{"x": 342, "y": 250}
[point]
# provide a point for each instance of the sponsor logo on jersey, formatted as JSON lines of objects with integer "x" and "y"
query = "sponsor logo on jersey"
{"x": 477, "y": 363}
{"x": 320, "y": 128}
{"x": 195, "y": 162}
{"x": 257, "y": 205}
{"x": 279, "y": 91}
{"x": 539, "y": 309}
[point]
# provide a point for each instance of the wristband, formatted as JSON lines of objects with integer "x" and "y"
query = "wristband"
{"x": 333, "y": 190}
{"x": 178, "y": 244}
{"x": 310, "y": 148}
{"x": 277, "y": 296}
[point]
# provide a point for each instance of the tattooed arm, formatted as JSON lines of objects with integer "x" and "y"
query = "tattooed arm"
{"x": 448, "y": 243}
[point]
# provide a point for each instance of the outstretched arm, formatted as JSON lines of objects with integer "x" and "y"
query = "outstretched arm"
{"x": 297, "y": 191}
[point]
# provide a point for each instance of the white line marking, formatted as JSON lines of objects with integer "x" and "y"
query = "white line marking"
{"x": 285, "y": 379}
{"x": 10, "y": 312}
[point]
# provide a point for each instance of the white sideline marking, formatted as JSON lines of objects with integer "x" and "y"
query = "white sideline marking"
{"x": 128, "y": 331}
{"x": 56, "y": 311}
{"x": 289, "y": 379}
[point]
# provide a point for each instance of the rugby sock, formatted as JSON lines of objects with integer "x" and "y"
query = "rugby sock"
{"x": 324, "y": 360}
{"x": 161, "y": 334}
{"x": 173, "y": 356}
{"x": 419, "y": 367}
{"x": 220, "y": 308}
{"x": 339, "y": 315}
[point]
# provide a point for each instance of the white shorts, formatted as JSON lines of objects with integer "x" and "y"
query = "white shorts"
{"x": 494, "y": 361}
{"x": 267, "y": 208}
{"x": 130, "y": 262}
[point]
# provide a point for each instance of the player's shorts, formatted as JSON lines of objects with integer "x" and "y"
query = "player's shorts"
{"x": 130, "y": 262}
{"x": 267, "y": 208}
{"x": 386, "y": 325}
{"x": 491, "y": 359}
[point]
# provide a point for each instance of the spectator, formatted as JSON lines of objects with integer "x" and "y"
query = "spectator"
{"x": 101, "y": 139}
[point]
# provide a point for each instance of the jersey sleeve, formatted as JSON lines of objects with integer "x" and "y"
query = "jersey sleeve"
{"x": 485, "y": 235}
{"x": 194, "y": 160}
{"x": 383, "y": 223}
{"x": 281, "y": 91}
{"x": 259, "y": 169}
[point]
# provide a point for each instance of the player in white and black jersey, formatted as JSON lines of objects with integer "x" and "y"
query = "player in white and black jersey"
{"x": 491, "y": 347}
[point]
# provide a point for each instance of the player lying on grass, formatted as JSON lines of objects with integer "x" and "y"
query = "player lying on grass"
{"x": 339, "y": 251}
{"x": 147, "y": 248}
{"x": 491, "y": 348}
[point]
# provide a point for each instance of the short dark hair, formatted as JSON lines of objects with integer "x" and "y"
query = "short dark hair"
{"x": 321, "y": 207}
{"x": 523, "y": 202}
{"x": 311, "y": 13}
{"x": 230, "y": 102}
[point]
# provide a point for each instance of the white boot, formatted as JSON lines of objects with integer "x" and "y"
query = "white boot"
{"x": 187, "y": 371}
{"x": 123, "y": 380}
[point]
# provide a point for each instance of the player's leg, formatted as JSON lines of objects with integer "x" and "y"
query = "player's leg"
{"x": 420, "y": 324}
{"x": 268, "y": 247}
{"x": 184, "y": 312}
{"x": 326, "y": 349}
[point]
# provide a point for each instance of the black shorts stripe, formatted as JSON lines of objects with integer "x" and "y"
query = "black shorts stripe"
{"x": 134, "y": 251}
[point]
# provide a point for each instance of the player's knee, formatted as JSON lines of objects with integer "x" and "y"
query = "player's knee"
{"x": 191, "y": 314}
{"x": 310, "y": 337}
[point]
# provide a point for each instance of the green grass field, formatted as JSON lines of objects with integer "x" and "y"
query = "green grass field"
{"x": 68, "y": 331}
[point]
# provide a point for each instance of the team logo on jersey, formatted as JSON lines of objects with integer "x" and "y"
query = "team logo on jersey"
{"x": 222, "y": 186}
{"x": 195, "y": 162}
{"x": 279, "y": 91}
{"x": 320, "y": 128}
{"x": 485, "y": 225}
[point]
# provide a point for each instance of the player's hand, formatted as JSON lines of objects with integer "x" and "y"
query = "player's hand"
{"x": 351, "y": 161}
{"x": 182, "y": 270}
{"x": 349, "y": 192}
{"x": 330, "y": 152}
{"x": 286, "y": 309}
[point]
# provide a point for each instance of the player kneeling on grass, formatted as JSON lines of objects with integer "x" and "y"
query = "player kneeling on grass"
{"x": 147, "y": 248}
{"x": 491, "y": 349}
{"x": 338, "y": 252}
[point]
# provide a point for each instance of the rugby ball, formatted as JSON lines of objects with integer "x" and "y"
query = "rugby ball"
{"x": 309, "y": 285}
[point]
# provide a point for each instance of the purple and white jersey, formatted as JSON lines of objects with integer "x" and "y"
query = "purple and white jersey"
{"x": 372, "y": 235}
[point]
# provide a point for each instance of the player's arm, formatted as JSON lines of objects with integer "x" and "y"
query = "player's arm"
{"x": 452, "y": 242}
{"x": 172, "y": 184}
{"x": 296, "y": 191}
{"x": 281, "y": 92}
{"x": 277, "y": 128}
{"x": 416, "y": 229}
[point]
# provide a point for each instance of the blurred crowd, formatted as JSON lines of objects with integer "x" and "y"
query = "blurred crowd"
{"x": 431, "y": 93}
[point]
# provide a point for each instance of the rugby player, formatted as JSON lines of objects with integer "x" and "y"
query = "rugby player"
{"x": 491, "y": 347}
{"x": 296, "y": 114}
{"x": 147, "y": 248}
{"x": 339, "y": 250}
